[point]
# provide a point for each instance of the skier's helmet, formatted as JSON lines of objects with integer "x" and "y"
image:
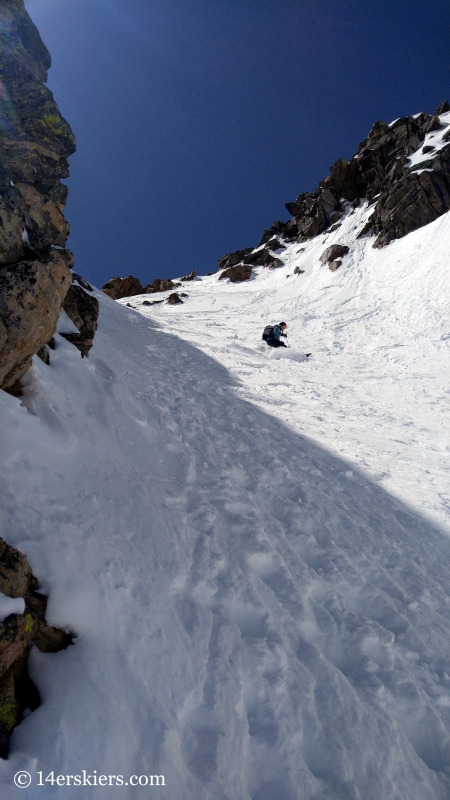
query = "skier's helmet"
{"x": 283, "y": 325}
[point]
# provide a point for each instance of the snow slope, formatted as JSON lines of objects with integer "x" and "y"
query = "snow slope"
{"x": 251, "y": 547}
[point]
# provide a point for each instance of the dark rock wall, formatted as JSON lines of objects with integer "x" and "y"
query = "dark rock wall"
{"x": 403, "y": 198}
{"x": 35, "y": 142}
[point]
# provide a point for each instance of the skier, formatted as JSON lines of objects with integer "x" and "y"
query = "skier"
{"x": 272, "y": 335}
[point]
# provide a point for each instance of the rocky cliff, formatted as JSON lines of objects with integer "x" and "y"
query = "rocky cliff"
{"x": 35, "y": 283}
{"x": 35, "y": 143}
{"x": 402, "y": 169}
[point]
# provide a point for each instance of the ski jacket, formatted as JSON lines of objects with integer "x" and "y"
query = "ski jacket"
{"x": 276, "y": 333}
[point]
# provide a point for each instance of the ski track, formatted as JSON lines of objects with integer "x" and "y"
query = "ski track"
{"x": 258, "y": 618}
{"x": 376, "y": 390}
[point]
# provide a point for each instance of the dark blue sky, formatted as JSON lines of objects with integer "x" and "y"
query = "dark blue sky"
{"x": 196, "y": 121}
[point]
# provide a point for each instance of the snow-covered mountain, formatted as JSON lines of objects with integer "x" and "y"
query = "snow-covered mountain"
{"x": 251, "y": 546}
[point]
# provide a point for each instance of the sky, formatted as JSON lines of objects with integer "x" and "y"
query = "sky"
{"x": 195, "y": 122}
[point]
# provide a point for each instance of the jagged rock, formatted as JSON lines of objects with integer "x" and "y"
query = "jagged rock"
{"x": 443, "y": 108}
{"x": 333, "y": 252}
{"x": 116, "y": 288}
{"x": 415, "y": 200}
{"x": 241, "y": 272}
{"x": 279, "y": 228}
{"x": 190, "y": 277}
{"x": 298, "y": 271}
{"x": 232, "y": 259}
{"x": 84, "y": 284}
{"x": 44, "y": 355}
{"x": 380, "y": 173}
{"x": 17, "y": 634}
{"x": 263, "y": 258}
{"x": 275, "y": 244}
{"x": 32, "y": 296}
{"x": 82, "y": 308}
{"x": 174, "y": 299}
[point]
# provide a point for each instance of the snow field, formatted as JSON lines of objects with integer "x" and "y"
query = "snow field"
{"x": 376, "y": 390}
{"x": 258, "y": 618}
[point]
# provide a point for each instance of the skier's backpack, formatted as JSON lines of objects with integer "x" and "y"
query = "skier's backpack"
{"x": 268, "y": 332}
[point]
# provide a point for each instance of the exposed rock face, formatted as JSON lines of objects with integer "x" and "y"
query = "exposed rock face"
{"x": 18, "y": 633}
{"x": 117, "y": 288}
{"x": 32, "y": 293}
{"x": 404, "y": 197}
{"x": 380, "y": 171}
{"x": 414, "y": 200}
{"x": 333, "y": 252}
{"x": 82, "y": 308}
{"x": 232, "y": 259}
{"x": 35, "y": 142}
{"x": 263, "y": 258}
{"x": 241, "y": 272}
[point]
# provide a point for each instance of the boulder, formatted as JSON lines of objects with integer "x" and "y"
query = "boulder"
{"x": 82, "y": 308}
{"x": 333, "y": 252}
{"x": 334, "y": 265}
{"x": 298, "y": 271}
{"x": 241, "y": 272}
{"x": 174, "y": 299}
{"x": 116, "y": 288}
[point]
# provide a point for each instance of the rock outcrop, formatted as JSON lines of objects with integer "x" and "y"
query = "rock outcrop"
{"x": 191, "y": 277}
{"x": 161, "y": 285}
{"x": 232, "y": 259}
{"x": 18, "y": 632}
{"x": 241, "y": 272}
{"x": 405, "y": 193}
{"x": 116, "y": 288}
{"x": 32, "y": 294}
{"x": 35, "y": 142}
{"x": 82, "y": 308}
{"x": 381, "y": 172}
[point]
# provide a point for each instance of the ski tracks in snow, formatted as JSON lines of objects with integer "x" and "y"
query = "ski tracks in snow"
{"x": 311, "y": 607}
{"x": 273, "y": 625}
